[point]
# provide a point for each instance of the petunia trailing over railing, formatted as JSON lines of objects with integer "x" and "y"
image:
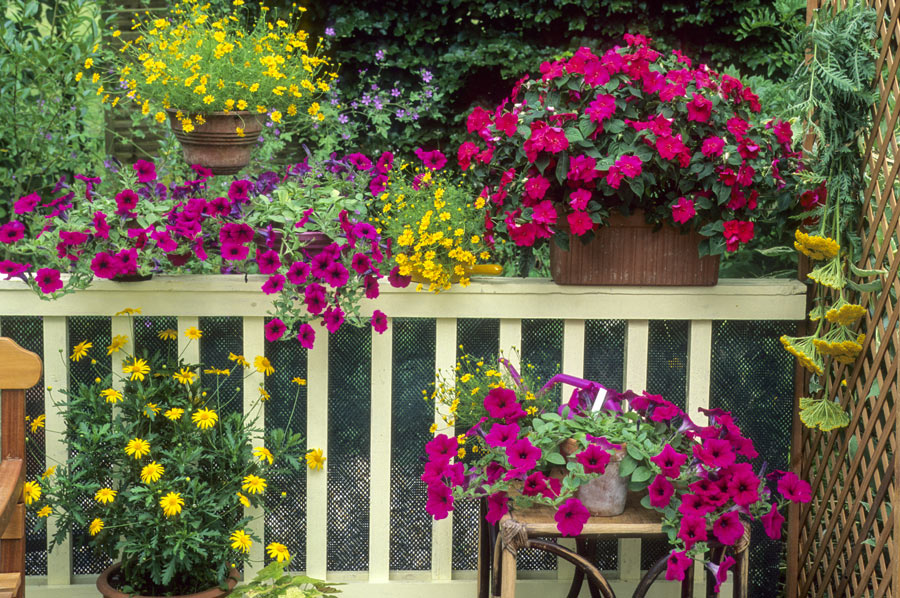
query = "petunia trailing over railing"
{"x": 700, "y": 478}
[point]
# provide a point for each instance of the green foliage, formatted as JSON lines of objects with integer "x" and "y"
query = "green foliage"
{"x": 273, "y": 582}
{"x": 51, "y": 123}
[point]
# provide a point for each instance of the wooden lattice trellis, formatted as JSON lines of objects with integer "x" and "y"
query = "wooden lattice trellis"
{"x": 846, "y": 541}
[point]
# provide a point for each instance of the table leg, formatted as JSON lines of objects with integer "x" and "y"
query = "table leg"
{"x": 595, "y": 579}
{"x": 497, "y": 568}
{"x": 484, "y": 554}
{"x": 741, "y": 573}
{"x": 507, "y": 573}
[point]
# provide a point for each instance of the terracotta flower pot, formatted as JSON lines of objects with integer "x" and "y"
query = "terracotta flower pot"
{"x": 628, "y": 251}
{"x": 108, "y": 591}
{"x": 216, "y": 144}
{"x": 605, "y": 495}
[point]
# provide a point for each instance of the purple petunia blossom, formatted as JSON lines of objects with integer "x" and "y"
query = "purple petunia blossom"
{"x": 275, "y": 329}
{"x": 306, "y": 335}
{"x": 379, "y": 321}
{"x": 571, "y": 517}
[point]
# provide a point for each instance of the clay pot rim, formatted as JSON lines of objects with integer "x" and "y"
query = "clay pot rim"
{"x": 104, "y": 587}
{"x": 241, "y": 113}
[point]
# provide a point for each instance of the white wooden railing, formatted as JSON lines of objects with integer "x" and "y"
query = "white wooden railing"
{"x": 509, "y": 300}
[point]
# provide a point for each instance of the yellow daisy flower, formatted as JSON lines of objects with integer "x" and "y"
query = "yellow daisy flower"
{"x": 243, "y": 500}
{"x": 138, "y": 369}
{"x": 205, "y": 418}
{"x": 239, "y": 359}
{"x": 45, "y": 511}
{"x": 129, "y": 311}
{"x": 240, "y": 540}
{"x": 31, "y": 492}
{"x": 278, "y": 551}
{"x": 137, "y": 448}
{"x": 38, "y": 423}
{"x": 263, "y": 394}
{"x": 174, "y": 413}
{"x": 105, "y": 495}
{"x": 193, "y": 333}
{"x": 112, "y": 395}
{"x": 185, "y": 376}
{"x": 253, "y": 484}
{"x": 168, "y": 334}
{"x": 49, "y": 472}
{"x": 263, "y": 454}
{"x": 171, "y": 503}
{"x": 263, "y": 365}
{"x": 151, "y": 472}
{"x": 315, "y": 459}
{"x": 118, "y": 342}
{"x": 299, "y": 381}
{"x": 80, "y": 350}
{"x": 96, "y": 526}
{"x": 151, "y": 408}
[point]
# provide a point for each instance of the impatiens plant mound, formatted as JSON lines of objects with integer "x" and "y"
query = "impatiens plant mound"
{"x": 630, "y": 129}
{"x": 700, "y": 478}
{"x": 161, "y": 467}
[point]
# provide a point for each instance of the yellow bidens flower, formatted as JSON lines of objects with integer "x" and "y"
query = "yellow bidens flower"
{"x": 129, "y": 311}
{"x": 243, "y": 500}
{"x": 45, "y": 511}
{"x": 239, "y": 359}
{"x": 160, "y": 117}
{"x": 31, "y": 492}
{"x": 80, "y": 350}
{"x": 38, "y": 423}
{"x": 105, "y": 495}
{"x": 49, "y": 472}
{"x": 171, "y": 503}
{"x": 315, "y": 459}
{"x": 151, "y": 472}
{"x": 168, "y": 334}
{"x": 88, "y": 63}
{"x": 205, "y": 418}
{"x": 278, "y": 551}
{"x": 240, "y": 540}
{"x": 185, "y": 376}
{"x": 118, "y": 342}
{"x": 137, "y": 448}
{"x": 193, "y": 333}
{"x": 253, "y": 484}
{"x": 263, "y": 454}
{"x": 138, "y": 369}
{"x": 111, "y": 395}
{"x": 95, "y": 527}
{"x": 174, "y": 413}
{"x": 299, "y": 381}
{"x": 263, "y": 365}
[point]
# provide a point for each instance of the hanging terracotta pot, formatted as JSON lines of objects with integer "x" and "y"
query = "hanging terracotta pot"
{"x": 108, "y": 578}
{"x": 628, "y": 251}
{"x": 216, "y": 144}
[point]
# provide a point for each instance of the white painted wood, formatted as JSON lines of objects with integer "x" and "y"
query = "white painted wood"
{"x": 121, "y": 326}
{"x": 317, "y": 437}
{"x": 758, "y": 299}
{"x": 573, "y": 364}
{"x": 188, "y": 350}
{"x": 511, "y": 340}
{"x": 56, "y": 378}
{"x": 442, "y": 531}
{"x": 380, "y": 451}
{"x": 636, "y": 345}
{"x": 254, "y": 344}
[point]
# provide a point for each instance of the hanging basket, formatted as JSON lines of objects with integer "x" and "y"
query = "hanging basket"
{"x": 216, "y": 143}
{"x": 628, "y": 251}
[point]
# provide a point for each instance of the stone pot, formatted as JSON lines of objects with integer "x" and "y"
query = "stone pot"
{"x": 216, "y": 144}
{"x": 108, "y": 591}
{"x": 605, "y": 495}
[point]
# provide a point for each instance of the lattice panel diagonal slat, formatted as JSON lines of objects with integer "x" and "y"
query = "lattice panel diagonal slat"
{"x": 846, "y": 536}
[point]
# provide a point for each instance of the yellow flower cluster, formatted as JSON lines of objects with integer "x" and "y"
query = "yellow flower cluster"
{"x": 802, "y": 348}
{"x": 815, "y": 247}
{"x": 198, "y": 62}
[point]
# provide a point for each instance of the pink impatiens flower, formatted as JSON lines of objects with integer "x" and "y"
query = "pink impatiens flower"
{"x": 536, "y": 187}
{"x": 737, "y": 232}
{"x": 579, "y": 223}
{"x": 699, "y": 109}
{"x": 571, "y": 517}
{"x": 602, "y": 108}
{"x": 712, "y": 147}
{"x": 683, "y": 210}
{"x": 544, "y": 213}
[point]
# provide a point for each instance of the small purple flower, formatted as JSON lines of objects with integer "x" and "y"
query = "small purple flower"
{"x": 427, "y": 76}
{"x": 329, "y": 31}
{"x": 400, "y": 113}
{"x": 377, "y": 104}
{"x": 379, "y": 55}
{"x": 395, "y": 92}
{"x": 343, "y": 119}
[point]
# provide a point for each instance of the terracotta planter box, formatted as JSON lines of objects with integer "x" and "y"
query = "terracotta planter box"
{"x": 629, "y": 252}
{"x": 215, "y": 144}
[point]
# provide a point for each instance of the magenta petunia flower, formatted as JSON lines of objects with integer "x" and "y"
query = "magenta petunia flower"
{"x": 239, "y": 190}
{"x": 692, "y": 530}
{"x": 728, "y": 528}
{"x": 145, "y": 170}
{"x": 434, "y": 471}
{"x": 385, "y": 163}
{"x": 571, "y": 517}
{"x": 218, "y": 206}
{"x": 744, "y": 488}
{"x": 499, "y": 402}
{"x": 306, "y": 335}
{"x": 721, "y": 572}
{"x": 319, "y": 263}
{"x": 379, "y": 321}
{"x": 359, "y": 161}
{"x": 677, "y": 564}
{"x": 104, "y": 265}
{"x": 378, "y": 184}
{"x": 523, "y": 455}
{"x": 794, "y": 489}
{"x": 361, "y": 263}
{"x": 268, "y": 261}
{"x": 498, "y": 505}
{"x": 502, "y": 435}
{"x": 493, "y": 472}
{"x": 370, "y": 284}
{"x": 314, "y": 297}
{"x": 593, "y": 458}
{"x": 273, "y": 284}
{"x": 275, "y": 329}
{"x": 48, "y": 280}
{"x": 202, "y": 171}
{"x": 535, "y": 484}
{"x": 441, "y": 448}
{"x": 164, "y": 241}
{"x": 12, "y": 231}
{"x": 772, "y": 522}
{"x": 433, "y": 160}
{"x": 669, "y": 461}
{"x": 10, "y": 268}
{"x": 336, "y": 275}
{"x": 683, "y": 210}
{"x": 333, "y": 318}
{"x": 233, "y": 252}
{"x": 26, "y": 203}
{"x": 715, "y": 452}
{"x": 693, "y": 504}
{"x": 298, "y": 273}
{"x": 127, "y": 259}
{"x": 440, "y": 500}
{"x": 126, "y": 202}
{"x": 660, "y": 492}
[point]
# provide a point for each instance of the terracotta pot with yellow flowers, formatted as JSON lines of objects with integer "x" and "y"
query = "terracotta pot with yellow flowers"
{"x": 161, "y": 470}
{"x": 219, "y": 78}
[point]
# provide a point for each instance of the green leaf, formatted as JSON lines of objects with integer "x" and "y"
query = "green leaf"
{"x": 824, "y": 414}
{"x": 635, "y": 452}
{"x": 866, "y": 273}
{"x": 627, "y": 465}
{"x": 641, "y": 474}
{"x": 555, "y": 458}
{"x": 865, "y": 287}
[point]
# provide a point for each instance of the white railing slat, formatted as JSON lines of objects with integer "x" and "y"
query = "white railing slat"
{"x": 380, "y": 450}
{"x": 317, "y": 437}
{"x": 254, "y": 344}
{"x": 511, "y": 340}
{"x": 573, "y": 364}
{"x": 442, "y": 531}
{"x": 120, "y": 326}
{"x": 188, "y": 349}
{"x": 699, "y": 365}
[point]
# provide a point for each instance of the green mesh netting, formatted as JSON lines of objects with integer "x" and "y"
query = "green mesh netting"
{"x": 28, "y": 333}
{"x": 479, "y": 338}
{"x": 667, "y": 355}
{"x": 753, "y": 377}
{"x": 285, "y": 518}
{"x": 97, "y": 331}
{"x": 604, "y": 362}
{"x": 411, "y": 417}
{"x": 349, "y": 404}
{"x": 146, "y": 335}
{"x": 221, "y": 337}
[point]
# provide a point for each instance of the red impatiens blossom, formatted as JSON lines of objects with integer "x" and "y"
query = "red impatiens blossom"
{"x": 544, "y": 213}
{"x": 275, "y": 329}
{"x": 536, "y": 187}
{"x": 677, "y": 564}
{"x": 692, "y": 530}
{"x": 728, "y": 528}
{"x": 737, "y": 232}
{"x": 582, "y": 169}
{"x": 669, "y": 461}
{"x": 683, "y": 210}
{"x": 507, "y": 123}
{"x": 699, "y": 108}
{"x": 466, "y": 152}
{"x": 660, "y": 492}
{"x": 579, "y": 199}
{"x": 48, "y": 280}
{"x": 712, "y": 147}
{"x": 601, "y": 109}
{"x": 579, "y": 223}
{"x": 630, "y": 166}
{"x": 593, "y": 458}
{"x": 670, "y": 147}
{"x": 571, "y": 517}
{"x": 379, "y": 321}
{"x": 478, "y": 120}
{"x": 772, "y": 522}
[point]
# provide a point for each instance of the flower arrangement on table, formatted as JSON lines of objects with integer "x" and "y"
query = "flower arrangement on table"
{"x": 699, "y": 478}
{"x": 161, "y": 468}
{"x": 193, "y": 63}
{"x": 436, "y": 226}
{"x": 630, "y": 129}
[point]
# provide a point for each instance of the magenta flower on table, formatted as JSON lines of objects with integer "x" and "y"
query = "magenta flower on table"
{"x": 594, "y": 459}
{"x": 523, "y": 457}
{"x": 660, "y": 492}
{"x": 677, "y": 564}
{"x": 497, "y": 507}
{"x": 502, "y": 435}
{"x": 669, "y": 461}
{"x": 571, "y": 517}
{"x": 728, "y": 528}
{"x": 439, "y": 501}
{"x": 692, "y": 530}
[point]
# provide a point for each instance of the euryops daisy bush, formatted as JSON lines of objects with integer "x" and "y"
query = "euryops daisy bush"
{"x": 194, "y": 62}
{"x": 161, "y": 468}
{"x": 700, "y": 478}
